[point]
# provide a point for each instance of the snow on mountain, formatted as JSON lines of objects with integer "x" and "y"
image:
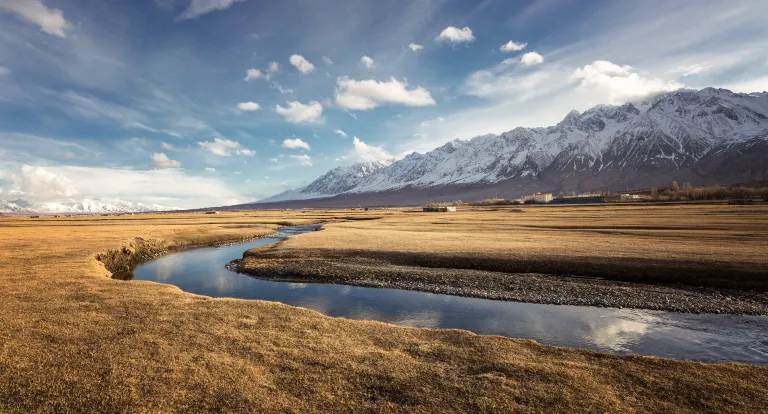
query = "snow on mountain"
{"x": 16, "y": 207}
{"x": 608, "y": 143}
{"x": 335, "y": 181}
{"x": 85, "y": 206}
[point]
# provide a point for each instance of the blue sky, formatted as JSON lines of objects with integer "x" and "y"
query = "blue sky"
{"x": 207, "y": 102}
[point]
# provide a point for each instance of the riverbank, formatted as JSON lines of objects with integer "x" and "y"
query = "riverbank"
{"x": 697, "y": 259}
{"x": 72, "y": 339}
{"x": 352, "y": 269}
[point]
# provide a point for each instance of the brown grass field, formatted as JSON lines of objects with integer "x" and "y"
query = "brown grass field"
{"x": 699, "y": 245}
{"x": 73, "y": 339}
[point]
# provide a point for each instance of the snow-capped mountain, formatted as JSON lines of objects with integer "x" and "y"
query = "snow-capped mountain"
{"x": 85, "y": 206}
{"x": 696, "y": 136}
{"x": 335, "y": 181}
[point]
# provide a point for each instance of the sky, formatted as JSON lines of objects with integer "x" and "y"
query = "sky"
{"x": 194, "y": 103}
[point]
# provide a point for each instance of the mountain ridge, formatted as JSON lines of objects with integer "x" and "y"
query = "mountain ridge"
{"x": 84, "y": 206}
{"x": 674, "y": 135}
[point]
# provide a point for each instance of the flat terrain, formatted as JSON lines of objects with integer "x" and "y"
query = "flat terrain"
{"x": 688, "y": 258}
{"x": 73, "y": 339}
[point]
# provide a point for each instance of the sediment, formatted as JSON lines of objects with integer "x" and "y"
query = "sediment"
{"x": 357, "y": 270}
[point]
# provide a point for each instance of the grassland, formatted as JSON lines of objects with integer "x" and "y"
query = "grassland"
{"x": 73, "y": 339}
{"x": 694, "y": 258}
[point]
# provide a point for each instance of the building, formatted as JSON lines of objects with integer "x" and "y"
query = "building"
{"x": 632, "y": 197}
{"x": 439, "y": 209}
{"x": 211, "y": 212}
{"x": 540, "y": 198}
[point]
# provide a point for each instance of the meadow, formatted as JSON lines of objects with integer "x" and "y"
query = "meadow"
{"x": 74, "y": 339}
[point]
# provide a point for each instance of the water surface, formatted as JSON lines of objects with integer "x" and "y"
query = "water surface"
{"x": 712, "y": 338}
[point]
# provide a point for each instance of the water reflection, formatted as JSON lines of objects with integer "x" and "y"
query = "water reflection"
{"x": 683, "y": 336}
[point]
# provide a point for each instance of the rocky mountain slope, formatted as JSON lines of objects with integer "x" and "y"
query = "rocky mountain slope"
{"x": 705, "y": 137}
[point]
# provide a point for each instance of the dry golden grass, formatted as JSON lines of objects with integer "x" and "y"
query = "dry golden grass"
{"x": 711, "y": 245}
{"x": 72, "y": 339}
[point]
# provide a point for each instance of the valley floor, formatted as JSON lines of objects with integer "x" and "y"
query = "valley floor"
{"x": 73, "y": 339}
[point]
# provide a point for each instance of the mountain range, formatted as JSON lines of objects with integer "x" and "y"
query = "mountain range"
{"x": 85, "y": 206}
{"x": 706, "y": 136}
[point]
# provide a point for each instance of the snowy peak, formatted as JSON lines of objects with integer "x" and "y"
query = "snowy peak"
{"x": 85, "y": 206}
{"x": 668, "y": 132}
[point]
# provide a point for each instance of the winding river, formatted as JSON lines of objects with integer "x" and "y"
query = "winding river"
{"x": 711, "y": 338}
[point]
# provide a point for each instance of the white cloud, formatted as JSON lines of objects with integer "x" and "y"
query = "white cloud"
{"x": 298, "y": 113}
{"x": 225, "y": 148}
{"x": 210, "y": 169}
{"x": 169, "y": 187}
{"x": 295, "y": 143}
{"x": 531, "y": 59}
{"x": 368, "y": 94}
{"x": 273, "y": 67}
{"x": 40, "y": 184}
{"x": 367, "y": 153}
{"x": 749, "y": 85}
{"x": 620, "y": 83}
{"x": 328, "y": 61}
{"x": 4, "y": 70}
{"x": 414, "y": 47}
{"x": 51, "y": 21}
{"x": 692, "y": 69}
{"x": 368, "y": 62}
{"x": 340, "y": 132}
{"x": 252, "y": 74}
{"x": 454, "y": 35}
{"x": 248, "y": 106}
{"x": 304, "y": 160}
{"x": 201, "y": 7}
{"x": 512, "y": 46}
{"x": 303, "y": 65}
{"x": 169, "y": 147}
{"x": 281, "y": 89}
{"x": 160, "y": 160}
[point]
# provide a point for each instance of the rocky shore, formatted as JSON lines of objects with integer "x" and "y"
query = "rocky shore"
{"x": 522, "y": 287}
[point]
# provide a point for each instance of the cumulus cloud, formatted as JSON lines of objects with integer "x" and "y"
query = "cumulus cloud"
{"x": 328, "y": 61}
{"x": 304, "y": 159}
{"x": 303, "y": 65}
{"x": 252, "y": 74}
{"x": 454, "y": 35}
{"x": 200, "y": 7}
{"x": 340, "y": 132}
{"x": 368, "y": 62}
{"x": 414, "y": 47}
{"x": 295, "y": 143}
{"x": 273, "y": 67}
{"x": 368, "y": 94}
{"x": 692, "y": 69}
{"x": 225, "y": 148}
{"x": 512, "y": 46}
{"x": 248, "y": 106}
{"x": 620, "y": 82}
{"x": 531, "y": 59}
{"x": 41, "y": 184}
{"x": 51, "y": 21}
{"x": 169, "y": 186}
{"x": 298, "y": 113}
{"x": 367, "y": 153}
{"x": 160, "y": 160}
